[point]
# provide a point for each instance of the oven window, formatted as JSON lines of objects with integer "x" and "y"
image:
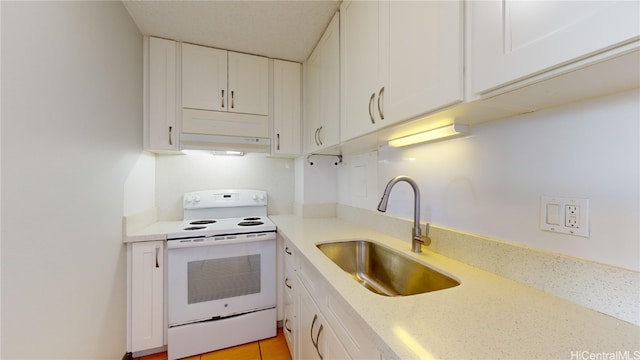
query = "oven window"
{"x": 216, "y": 279}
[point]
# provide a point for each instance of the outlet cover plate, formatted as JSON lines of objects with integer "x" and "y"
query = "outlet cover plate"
{"x": 555, "y": 222}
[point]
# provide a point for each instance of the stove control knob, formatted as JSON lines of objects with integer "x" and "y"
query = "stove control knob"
{"x": 255, "y": 197}
{"x": 188, "y": 199}
{"x": 262, "y": 197}
{"x": 196, "y": 199}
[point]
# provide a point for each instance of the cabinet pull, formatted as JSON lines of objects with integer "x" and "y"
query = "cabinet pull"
{"x": 319, "y": 138}
{"x": 315, "y": 137}
{"x": 313, "y": 323}
{"x": 371, "y": 103}
{"x": 222, "y": 103}
{"x": 278, "y": 141}
{"x": 232, "y": 99}
{"x": 157, "y": 252}
{"x": 317, "y": 341}
{"x": 170, "y": 130}
{"x": 286, "y": 321}
{"x": 379, "y": 107}
{"x": 286, "y": 249}
{"x": 286, "y": 283}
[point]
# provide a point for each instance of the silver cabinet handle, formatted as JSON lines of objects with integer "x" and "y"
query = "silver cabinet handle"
{"x": 370, "y": 112}
{"x": 170, "y": 130}
{"x": 286, "y": 321}
{"x": 313, "y": 323}
{"x": 315, "y": 136}
{"x": 232, "y": 99}
{"x": 286, "y": 249}
{"x": 286, "y": 283}
{"x": 278, "y": 141}
{"x": 379, "y": 107}
{"x": 320, "y": 138}
{"x": 222, "y": 104}
{"x": 317, "y": 341}
{"x": 157, "y": 252}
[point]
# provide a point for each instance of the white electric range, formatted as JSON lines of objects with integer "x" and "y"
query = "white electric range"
{"x": 221, "y": 272}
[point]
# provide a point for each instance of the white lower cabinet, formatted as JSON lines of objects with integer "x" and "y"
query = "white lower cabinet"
{"x": 318, "y": 325}
{"x": 317, "y": 340}
{"x": 146, "y": 302}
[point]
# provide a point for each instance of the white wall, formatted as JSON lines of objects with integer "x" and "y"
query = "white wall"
{"x": 177, "y": 174}
{"x": 490, "y": 183}
{"x": 316, "y": 192}
{"x": 71, "y": 132}
{"x": 140, "y": 185}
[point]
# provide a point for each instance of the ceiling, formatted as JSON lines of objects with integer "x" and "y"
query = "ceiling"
{"x": 285, "y": 30}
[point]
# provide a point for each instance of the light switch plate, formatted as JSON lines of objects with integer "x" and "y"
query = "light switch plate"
{"x": 564, "y": 215}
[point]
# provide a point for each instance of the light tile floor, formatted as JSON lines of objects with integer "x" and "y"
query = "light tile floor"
{"x": 268, "y": 349}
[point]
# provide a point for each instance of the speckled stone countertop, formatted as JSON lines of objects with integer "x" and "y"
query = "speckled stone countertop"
{"x": 153, "y": 232}
{"x": 486, "y": 317}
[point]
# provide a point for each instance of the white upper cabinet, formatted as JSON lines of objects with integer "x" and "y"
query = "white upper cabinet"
{"x": 248, "y": 84}
{"x": 323, "y": 91}
{"x": 287, "y": 98}
{"x": 425, "y": 58}
{"x": 512, "y": 40}
{"x": 161, "y": 103}
{"x": 361, "y": 81}
{"x": 400, "y": 60}
{"x": 221, "y": 80}
{"x": 204, "y": 78}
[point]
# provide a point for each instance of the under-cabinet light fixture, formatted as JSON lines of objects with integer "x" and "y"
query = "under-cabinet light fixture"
{"x": 213, "y": 152}
{"x": 441, "y": 133}
{"x": 227, "y": 152}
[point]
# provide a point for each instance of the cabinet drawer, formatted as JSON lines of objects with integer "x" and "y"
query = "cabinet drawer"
{"x": 289, "y": 283}
{"x": 289, "y": 326}
{"x": 289, "y": 255}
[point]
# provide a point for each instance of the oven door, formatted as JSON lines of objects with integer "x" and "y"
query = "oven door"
{"x": 220, "y": 280}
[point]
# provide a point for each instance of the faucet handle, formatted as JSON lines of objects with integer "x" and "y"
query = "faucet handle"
{"x": 423, "y": 239}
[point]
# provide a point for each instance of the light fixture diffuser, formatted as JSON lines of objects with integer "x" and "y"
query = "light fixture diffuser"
{"x": 441, "y": 133}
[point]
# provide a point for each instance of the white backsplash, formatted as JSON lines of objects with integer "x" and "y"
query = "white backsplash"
{"x": 177, "y": 174}
{"x": 490, "y": 183}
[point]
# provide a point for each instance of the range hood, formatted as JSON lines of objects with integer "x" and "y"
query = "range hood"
{"x": 218, "y": 130}
{"x": 220, "y": 142}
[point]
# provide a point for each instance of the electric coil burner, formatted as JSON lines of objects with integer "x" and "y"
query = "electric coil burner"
{"x": 221, "y": 273}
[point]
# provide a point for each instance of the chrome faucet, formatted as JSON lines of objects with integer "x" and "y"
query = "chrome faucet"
{"x": 417, "y": 239}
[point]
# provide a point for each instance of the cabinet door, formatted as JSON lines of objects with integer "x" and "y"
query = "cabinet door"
{"x": 313, "y": 96}
{"x": 329, "y": 131}
{"x": 424, "y": 58}
{"x": 147, "y": 292}
{"x": 308, "y": 326}
{"x": 333, "y": 349}
{"x": 323, "y": 90}
{"x": 161, "y": 95}
{"x": 204, "y": 78}
{"x": 316, "y": 338}
{"x": 286, "y": 107}
{"x": 514, "y": 39}
{"x": 248, "y": 84}
{"x": 290, "y": 322}
{"x": 360, "y": 82}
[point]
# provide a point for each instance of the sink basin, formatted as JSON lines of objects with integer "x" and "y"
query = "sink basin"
{"x": 385, "y": 271}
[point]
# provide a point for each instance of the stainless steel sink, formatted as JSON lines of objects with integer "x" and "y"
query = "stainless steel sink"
{"x": 385, "y": 271}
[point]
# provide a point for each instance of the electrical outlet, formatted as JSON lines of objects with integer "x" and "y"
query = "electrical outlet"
{"x": 564, "y": 215}
{"x": 572, "y": 216}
